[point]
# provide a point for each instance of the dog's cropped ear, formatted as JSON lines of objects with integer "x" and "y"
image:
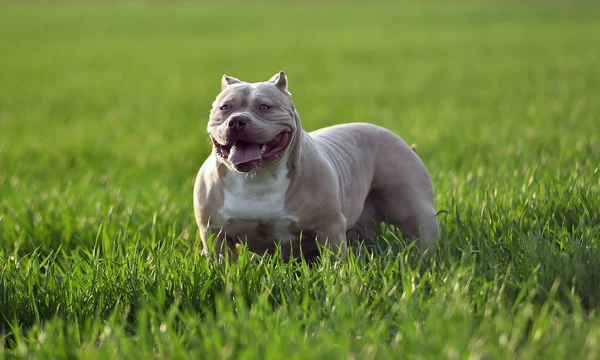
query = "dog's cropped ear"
{"x": 228, "y": 80}
{"x": 280, "y": 80}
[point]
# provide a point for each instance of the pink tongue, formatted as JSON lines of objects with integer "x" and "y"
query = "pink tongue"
{"x": 243, "y": 152}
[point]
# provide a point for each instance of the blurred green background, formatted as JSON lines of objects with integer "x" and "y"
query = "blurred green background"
{"x": 104, "y": 105}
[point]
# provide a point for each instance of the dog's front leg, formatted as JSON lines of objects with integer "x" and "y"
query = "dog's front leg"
{"x": 333, "y": 236}
{"x": 220, "y": 247}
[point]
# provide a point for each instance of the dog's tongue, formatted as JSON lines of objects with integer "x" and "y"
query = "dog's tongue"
{"x": 243, "y": 152}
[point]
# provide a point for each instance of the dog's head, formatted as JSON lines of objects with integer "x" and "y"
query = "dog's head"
{"x": 252, "y": 124}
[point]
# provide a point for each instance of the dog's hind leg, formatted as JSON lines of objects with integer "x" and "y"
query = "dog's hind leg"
{"x": 366, "y": 225}
{"x": 416, "y": 219}
{"x": 422, "y": 225}
{"x": 411, "y": 209}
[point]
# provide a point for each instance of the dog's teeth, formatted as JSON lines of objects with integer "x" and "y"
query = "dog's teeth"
{"x": 263, "y": 148}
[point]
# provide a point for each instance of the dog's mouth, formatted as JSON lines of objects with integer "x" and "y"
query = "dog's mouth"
{"x": 246, "y": 156}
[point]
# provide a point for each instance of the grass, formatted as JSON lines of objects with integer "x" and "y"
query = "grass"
{"x": 102, "y": 129}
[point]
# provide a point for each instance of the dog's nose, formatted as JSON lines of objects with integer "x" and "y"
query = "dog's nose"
{"x": 237, "y": 122}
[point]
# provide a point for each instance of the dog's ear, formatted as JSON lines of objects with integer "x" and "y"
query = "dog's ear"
{"x": 280, "y": 80}
{"x": 228, "y": 80}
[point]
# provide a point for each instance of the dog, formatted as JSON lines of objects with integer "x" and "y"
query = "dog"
{"x": 269, "y": 183}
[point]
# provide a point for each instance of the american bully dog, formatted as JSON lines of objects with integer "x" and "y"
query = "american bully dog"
{"x": 267, "y": 182}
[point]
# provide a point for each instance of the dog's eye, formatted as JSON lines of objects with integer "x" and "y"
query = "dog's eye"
{"x": 264, "y": 107}
{"x": 224, "y": 108}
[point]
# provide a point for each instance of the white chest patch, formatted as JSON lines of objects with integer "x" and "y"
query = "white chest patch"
{"x": 261, "y": 198}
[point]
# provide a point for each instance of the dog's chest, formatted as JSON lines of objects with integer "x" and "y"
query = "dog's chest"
{"x": 254, "y": 207}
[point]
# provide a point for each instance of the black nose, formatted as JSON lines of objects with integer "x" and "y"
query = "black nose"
{"x": 237, "y": 122}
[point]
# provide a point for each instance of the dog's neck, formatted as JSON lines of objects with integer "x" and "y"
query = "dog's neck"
{"x": 294, "y": 152}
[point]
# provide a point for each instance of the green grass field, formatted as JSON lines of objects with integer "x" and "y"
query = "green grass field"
{"x": 103, "y": 110}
